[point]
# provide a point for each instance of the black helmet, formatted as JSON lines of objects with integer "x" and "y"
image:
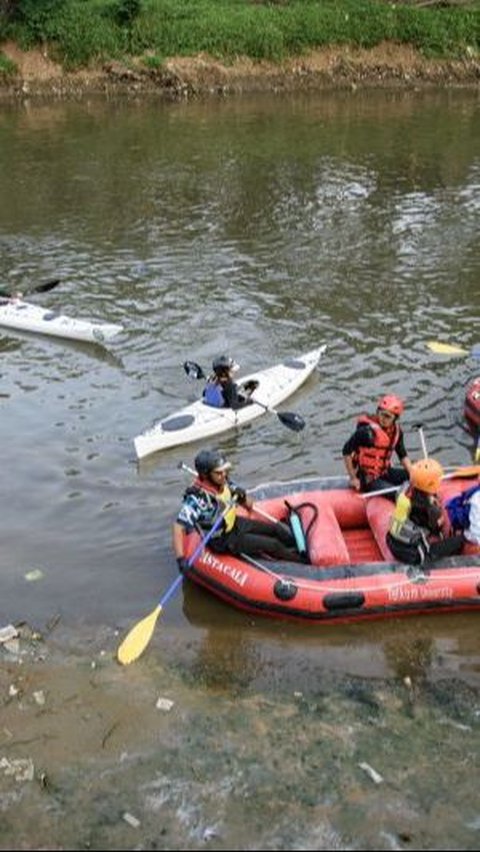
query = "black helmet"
{"x": 208, "y": 460}
{"x": 223, "y": 363}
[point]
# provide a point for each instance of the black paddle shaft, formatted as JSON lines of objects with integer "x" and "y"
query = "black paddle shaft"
{"x": 7, "y": 293}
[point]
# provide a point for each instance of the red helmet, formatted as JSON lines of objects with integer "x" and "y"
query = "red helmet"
{"x": 391, "y": 403}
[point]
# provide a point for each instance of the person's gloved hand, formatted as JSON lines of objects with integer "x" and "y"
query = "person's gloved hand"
{"x": 183, "y": 565}
{"x": 240, "y": 495}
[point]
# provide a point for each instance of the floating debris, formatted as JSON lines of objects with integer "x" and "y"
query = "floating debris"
{"x": 371, "y": 772}
{"x": 22, "y": 769}
{"x": 131, "y": 820}
{"x": 7, "y": 633}
{"x": 39, "y": 697}
{"x": 164, "y": 704}
{"x": 209, "y": 833}
{"x": 34, "y": 575}
{"x": 43, "y": 780}
{"x": 458, "y": 725}
{"x": 12, "y": 646}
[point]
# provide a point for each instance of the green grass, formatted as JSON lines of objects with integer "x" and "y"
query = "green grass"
{"x": 7, "y": 67}
{"x": 83, "y": 31}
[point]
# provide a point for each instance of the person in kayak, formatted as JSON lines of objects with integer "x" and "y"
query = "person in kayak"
{"x": 221, "y": 391}
{"x": 8, "y": 296}
{"x": 416, "y": 533}
{"x": 212, "y": 493}
{"x": 367, "y": 453}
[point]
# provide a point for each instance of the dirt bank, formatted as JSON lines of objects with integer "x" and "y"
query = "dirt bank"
{"x": 180, "y": 77}
{"x": 169, "y": 754}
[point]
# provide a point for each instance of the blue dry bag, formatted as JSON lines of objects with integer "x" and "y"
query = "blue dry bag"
{"x": 458, "y": 508}
{"x": 212, "y": 395}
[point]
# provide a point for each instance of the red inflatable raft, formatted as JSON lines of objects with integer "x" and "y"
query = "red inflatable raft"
{"x": 353, "y": 575}
{"x": 472, "y": 406}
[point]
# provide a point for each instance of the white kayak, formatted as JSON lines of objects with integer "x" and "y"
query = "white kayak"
{"x": 199, "y": 420}
{"x": 24, "y": 316}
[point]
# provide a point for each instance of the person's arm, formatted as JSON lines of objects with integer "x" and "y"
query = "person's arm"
{"x": 185, "y": 523}
{"x": 240, "y": 495}
{"x": 402, "y": 454}
{"x": 362, "y": 437}
{"x": 233, "y": 399}
{"x": 352, "y": 472}
{"x": 178, "y": 532}
{"x": 436, "y": 520}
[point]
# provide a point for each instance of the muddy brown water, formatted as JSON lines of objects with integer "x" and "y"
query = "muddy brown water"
{"x": 263, "y": 226}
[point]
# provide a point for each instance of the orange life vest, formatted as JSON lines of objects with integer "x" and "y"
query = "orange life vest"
{"x": 375, "y": 460}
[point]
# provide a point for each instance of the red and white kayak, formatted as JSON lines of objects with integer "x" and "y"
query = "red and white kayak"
{"x": 353, "y": 575}
{"x": 472, "y": 406}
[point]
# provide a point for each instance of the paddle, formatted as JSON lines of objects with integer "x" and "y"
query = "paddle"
{"x": 139, "y": 636}
{"x": 289, "y": 419}
{"x": 38, "y": 288}
{"x": 449, "y": 349}
{"x": 464, "y": 472}
{"x": 419, "y": 426}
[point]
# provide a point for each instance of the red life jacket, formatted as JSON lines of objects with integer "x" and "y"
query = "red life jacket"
{"x": 374, "y": 461}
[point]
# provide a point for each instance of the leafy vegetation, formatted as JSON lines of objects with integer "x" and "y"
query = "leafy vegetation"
{"x": 82, "y": 31}
{"x": 7, "y": 67}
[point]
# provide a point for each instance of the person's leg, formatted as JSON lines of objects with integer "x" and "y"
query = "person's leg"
{"x": 416, "y": 554}
{"x": 393, "y": 477}
{"x": 408, "y": 553}
{"x": 256, "y": 537}
{"x": 280, "y": 531}
{"x": 450, "y": 546}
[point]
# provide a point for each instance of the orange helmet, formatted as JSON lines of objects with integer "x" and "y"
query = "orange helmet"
{"x": 426, "y": 475}
{"x": 391, "y": 403}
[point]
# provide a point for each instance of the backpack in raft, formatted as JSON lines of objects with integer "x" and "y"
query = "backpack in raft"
{"x": 458, "y": 508}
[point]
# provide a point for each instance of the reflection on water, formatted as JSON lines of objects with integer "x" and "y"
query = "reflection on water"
{"x": 264, "y": 227}
{"x": 240, "y": 652}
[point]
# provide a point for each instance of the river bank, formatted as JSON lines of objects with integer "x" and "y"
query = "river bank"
{"x": 226, "y": 733}
{"x": 169, "y": 753}
{"x": 198, "y": 76}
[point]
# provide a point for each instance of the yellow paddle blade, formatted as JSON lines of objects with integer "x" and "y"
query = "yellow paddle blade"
{"x": 446, "y": 348}
{"x": 466, "y": 471}
{"x": 137, "y": 640}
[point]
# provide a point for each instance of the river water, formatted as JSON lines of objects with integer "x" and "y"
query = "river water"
{"x": 262, "y": 227}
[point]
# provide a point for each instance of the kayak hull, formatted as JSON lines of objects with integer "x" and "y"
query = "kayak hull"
{"x": 353, "y": 575}
{"x": 24, "y": 316}
{"x": 198, "y": 420}
{"x": 472, "y": 406}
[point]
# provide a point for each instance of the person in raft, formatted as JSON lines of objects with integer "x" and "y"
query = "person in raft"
{"x": 416, "y": 533}
{"x": 221, "y": 391}
{"x": 211, "y": 494}
{"x": 367, "y": 453}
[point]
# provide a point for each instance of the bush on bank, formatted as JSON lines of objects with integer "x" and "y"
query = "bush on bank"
{"x": 83, "y": 31}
